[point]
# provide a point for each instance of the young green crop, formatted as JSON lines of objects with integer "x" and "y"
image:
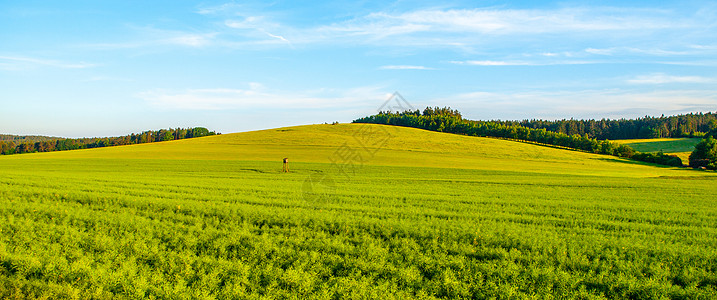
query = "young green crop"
{"x": 675, "y": 145}
{"x": 421, "y": 215}
{"x": 680, "y": 147}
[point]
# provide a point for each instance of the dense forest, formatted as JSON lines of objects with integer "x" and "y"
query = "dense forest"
{"x": 60, "y": 144}
{"x": 705, "y": 153}
{"x": 688, "y": 125}
{"x": 449, "y": 120}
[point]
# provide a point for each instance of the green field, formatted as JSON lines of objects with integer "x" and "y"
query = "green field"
{"x": 368, "y": 211}
{"x": 681, "y": 147}
{"x": 665, "y": 145}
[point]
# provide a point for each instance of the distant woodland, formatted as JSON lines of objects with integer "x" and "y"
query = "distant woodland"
{"x": 27, "y": 144}
{"x": 688, "y": 125}
{"x": 19, "y": 139}
{"x": 586, "y": 135}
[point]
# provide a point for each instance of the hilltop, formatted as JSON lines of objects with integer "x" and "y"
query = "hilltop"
{"x": 378, "y": 145}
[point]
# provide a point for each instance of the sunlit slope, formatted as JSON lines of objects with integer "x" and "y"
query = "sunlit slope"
{"x": 368, "y": 144}
{"x": 681, "y": 147}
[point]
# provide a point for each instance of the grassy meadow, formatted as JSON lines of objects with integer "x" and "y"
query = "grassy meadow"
{"x": 368, "y": 211}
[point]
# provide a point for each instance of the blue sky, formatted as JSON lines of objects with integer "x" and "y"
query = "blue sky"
{"x": 104, "y": 68}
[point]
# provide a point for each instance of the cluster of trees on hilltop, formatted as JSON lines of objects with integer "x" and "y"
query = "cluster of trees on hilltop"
{"x": 705, "y": 153}
{"x": 10, "y": 147}
{"x": 688, "y": 125}
{"x": 449, "y": 120}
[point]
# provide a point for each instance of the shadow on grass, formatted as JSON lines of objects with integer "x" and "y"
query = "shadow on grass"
{"x": 642, "y": 163}
{"x": 695, "y": 174}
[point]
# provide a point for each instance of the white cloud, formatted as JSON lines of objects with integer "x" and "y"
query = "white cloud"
{"x": 462, "y": 29}
{"x": 607, "y": 51}
{"x": 498, "y": 22}
{"x": 660, "y": 52}
{"x": 609, "y": 103}
{"x": 152, "y": 37}
{"x": 493, "y": 63}
{"x": 258, "y": 24}
{"x": 250, "y": 22}
{"x": 281, "y": 38}
{"x": 22, "y": 62}
{"x": 633, "y": 50}
{"x": 693, "y": 63}
{"x": 704, "y": 47}
{"x": 405, "y": 67}
{"x": 192, "y": 40}
{"x": 219, "y": 9}
{"x": 522, "y": 63}
{"x": 660, "y": 78}
{"x": 550, "y": 54}
{"x": 257, "y": 96}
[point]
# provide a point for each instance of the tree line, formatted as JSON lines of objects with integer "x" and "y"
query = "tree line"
{"x": 449, "y": 120}
{"x": 151, "y": 136}
{"x": 705, "y": 153}
{"x": 25, "y": 138}
{"x": 687, "y": 125}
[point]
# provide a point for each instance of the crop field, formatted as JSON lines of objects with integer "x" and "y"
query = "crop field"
{"x": 367, "y": 211}
{"x": 665, "y": 145}
{"x": 682, "y": 147}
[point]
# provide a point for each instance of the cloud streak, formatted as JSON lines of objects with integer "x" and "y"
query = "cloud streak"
{"x": 495, "y": 63}
{"x": 460, "y": 29}
{"x": 608, "y": 103}
{"x": 660, "y": 78}
{"x": 404, "y": 67}
{"x": 256, "y": 96}
{"x": 22, "y": 62}
{"x": 149, "y": 37}
{"x": 517, "y": 21}
{"x": 473, "y": 25}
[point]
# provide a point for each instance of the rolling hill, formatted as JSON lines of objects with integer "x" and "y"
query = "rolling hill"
{"x": 368, "y": 211}
{"x": 379, "y": 145}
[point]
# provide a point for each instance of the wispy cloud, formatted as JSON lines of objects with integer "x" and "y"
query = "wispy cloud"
{"x": 493, "y": 63}
{"x": 661, "y": 78}
{"x": 192, "y": 40}
{"x": 257, "y": 96}
{"x": 704, "y": 47}
{"x": 23, "y": 62}
{"x": 612, "y": 55}
{"x": 405, "y": 67}
{"x": 608, "y": 103}
{"x": 218, "y": 9}
{"x": 522, "y": 63}
{"x": 251, "y": 22}
{"x": 461, "y": 29}
{"x": 258, "y": 24}
{"x": 633, "y": 50}
{"x": 607, "y": 51}
{"x": 472, "y": 24}
{"x": 281, "y": 38}
{"x": 148, "y": 37}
